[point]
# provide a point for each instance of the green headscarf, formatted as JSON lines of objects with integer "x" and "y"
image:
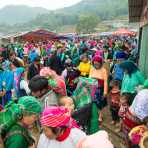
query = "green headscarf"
{"x": 14, "y": 112}
{"x": 30, "y": 104}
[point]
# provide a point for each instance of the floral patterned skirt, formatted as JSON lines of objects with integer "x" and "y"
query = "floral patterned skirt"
{"x": 99, "y": 99}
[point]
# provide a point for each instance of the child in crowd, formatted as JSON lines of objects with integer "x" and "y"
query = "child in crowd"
{"x": 124, "y": 104}
{"x": 68, "y": 103}
{"x": 123, "y": 108}
{"x": 78, "y": 114}
{"x": 70, "y": 74}
{"x": 115, "y": 101}
{"x": 84, "y": 66}
{"x": 58, "y": 130}
{"x": 117, "y": 71}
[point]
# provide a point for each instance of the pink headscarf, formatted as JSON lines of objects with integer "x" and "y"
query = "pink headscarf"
{"x": 60, "y": 87}
{"x": 97, "y": 59}
{"x": 47, "y": 72}
{"x": 57, "y": 117}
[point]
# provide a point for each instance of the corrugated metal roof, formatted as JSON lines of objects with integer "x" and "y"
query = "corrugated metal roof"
{"x": 136, "y": 9}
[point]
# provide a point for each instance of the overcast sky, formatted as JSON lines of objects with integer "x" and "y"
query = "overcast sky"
{"x": 49, "y": 4}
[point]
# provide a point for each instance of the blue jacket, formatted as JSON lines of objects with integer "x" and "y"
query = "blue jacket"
{"x": 118, "y": 73}
{"x": 6, "y": 80}
{"x": 32, "y": 56}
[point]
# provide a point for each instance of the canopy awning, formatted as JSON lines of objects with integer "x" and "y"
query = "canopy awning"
{"x": 123, "y": 31}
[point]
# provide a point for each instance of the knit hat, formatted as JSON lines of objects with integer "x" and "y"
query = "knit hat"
{"x": 56, "y": 117}
{"x": 30, "y": 104}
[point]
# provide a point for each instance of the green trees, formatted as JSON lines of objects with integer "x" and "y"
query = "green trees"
{"x": 84, "y": 15}
{"x": 87, "y": 24}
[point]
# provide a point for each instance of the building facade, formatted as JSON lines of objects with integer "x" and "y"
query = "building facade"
{"x": 138, "y": 13}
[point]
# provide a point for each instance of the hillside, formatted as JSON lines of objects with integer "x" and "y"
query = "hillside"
{"x": 105, "y": 9}
{"x": 28, "y": 18}
{"x": 19, "y": 14}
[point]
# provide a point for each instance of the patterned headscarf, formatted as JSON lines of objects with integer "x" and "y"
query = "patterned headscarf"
{"x": 55, "y": 82}
{"x": 14, "y": 112}
{"x": 47, "y": 72}
{"x": 30, "y": 104}
{"x": 57, "y": 117}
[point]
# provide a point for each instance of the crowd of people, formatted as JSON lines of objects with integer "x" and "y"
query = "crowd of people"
{"x": 54, "y": 93}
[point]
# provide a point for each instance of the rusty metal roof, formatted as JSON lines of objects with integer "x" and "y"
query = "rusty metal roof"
{"x": 135, "y": 9}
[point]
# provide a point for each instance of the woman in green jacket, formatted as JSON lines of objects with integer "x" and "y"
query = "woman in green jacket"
{"x": 17, "y": 134}
{"x": 132, "y": 78}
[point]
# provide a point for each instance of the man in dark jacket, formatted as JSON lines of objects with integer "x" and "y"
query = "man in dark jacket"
{"x": 34, "y": 68}
{"x": 55, "y": 63}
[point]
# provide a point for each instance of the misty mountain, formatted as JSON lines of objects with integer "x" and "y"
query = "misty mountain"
{"x": 24, "y": 18}
{"x": 105, "y": 9}
{"x": 13, "y": 14}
